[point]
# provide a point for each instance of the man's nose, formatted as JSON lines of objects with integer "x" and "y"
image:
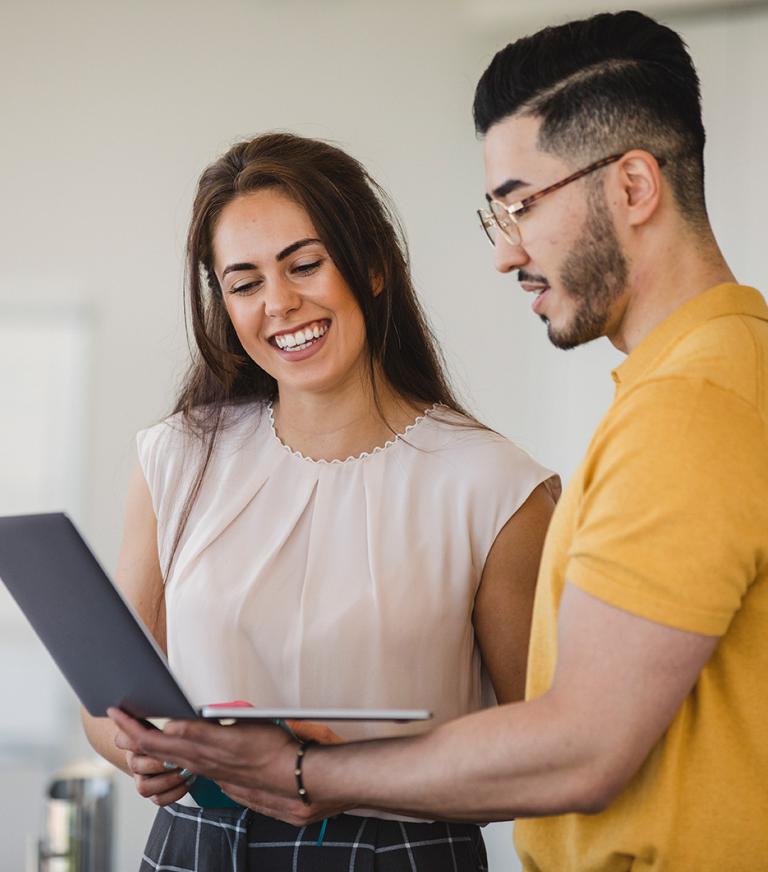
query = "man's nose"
{"x": 507, "y": 256}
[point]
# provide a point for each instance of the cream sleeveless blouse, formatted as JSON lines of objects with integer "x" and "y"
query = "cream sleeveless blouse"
{"x": 344, "y": 583}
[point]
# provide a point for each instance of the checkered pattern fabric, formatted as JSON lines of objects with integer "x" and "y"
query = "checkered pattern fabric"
{"x": 235, "y": 840}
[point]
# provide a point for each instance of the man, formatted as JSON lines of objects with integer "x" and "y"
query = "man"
{"x": 642, "y": 742}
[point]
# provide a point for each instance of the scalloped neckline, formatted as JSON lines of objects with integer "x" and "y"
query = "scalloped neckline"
{"x": 353, "y": 458}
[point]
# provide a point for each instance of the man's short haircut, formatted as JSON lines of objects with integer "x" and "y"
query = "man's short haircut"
{"x": 602, "y": 86}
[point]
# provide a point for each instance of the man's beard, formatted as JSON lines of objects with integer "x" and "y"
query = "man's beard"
{"x": 594, "y": 275}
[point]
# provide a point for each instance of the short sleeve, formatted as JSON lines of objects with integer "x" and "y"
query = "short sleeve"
{"x": 673, "y": 520}
{"x": 504, "y": 476}
{"x": 167, "y": 455}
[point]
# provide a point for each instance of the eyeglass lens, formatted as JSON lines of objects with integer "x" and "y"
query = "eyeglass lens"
{"x": 505, "y": 222}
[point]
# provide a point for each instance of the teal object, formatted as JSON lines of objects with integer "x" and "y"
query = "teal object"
{"x": 208, "y": 794}
{"x": 323, "y": 828}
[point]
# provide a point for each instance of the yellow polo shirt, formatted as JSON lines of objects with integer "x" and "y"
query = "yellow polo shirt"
{"x": 667, "y": 518}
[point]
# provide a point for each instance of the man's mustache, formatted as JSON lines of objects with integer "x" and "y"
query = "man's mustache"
{"x": 523, "y": 276}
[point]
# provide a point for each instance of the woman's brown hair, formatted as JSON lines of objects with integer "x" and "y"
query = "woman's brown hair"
{"x": 363, "y": 237}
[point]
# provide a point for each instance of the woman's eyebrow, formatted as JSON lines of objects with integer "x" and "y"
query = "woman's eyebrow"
{"x": 281, "y": 255}
{"x": 294, "y": 246}
{"x": 235, "y": 267}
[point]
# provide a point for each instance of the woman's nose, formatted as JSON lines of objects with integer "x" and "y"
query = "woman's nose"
{"x": 281, "y": 298}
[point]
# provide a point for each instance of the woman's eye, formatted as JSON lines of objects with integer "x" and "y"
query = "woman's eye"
{"x": 245, "y": 288}
{"x": 307, "y": 268}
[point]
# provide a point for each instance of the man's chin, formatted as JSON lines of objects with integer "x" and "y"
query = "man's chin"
{"x": 571, "y": 336}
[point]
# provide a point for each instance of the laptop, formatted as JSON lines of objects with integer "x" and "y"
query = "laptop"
{"x": 99, "y": 643}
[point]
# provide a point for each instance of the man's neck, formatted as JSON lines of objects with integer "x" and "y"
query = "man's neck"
{"x": 663, "y": 279}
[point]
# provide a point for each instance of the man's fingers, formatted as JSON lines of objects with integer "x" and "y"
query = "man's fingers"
{"x": 288, "y": 809}
{"x": 268, "y": 804}
{"x": 133, "y": 736}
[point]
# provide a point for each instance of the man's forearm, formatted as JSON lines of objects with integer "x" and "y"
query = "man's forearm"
{"x": 526, "y": 765}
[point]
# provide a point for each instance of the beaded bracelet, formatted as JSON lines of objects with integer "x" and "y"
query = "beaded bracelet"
{"x": 302, "y": 791}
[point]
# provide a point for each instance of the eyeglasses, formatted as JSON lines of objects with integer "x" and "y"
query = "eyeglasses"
{"x": 505, "y": 218}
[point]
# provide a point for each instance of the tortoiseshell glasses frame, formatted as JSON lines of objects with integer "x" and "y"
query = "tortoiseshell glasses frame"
{"x": 500, "y": 217}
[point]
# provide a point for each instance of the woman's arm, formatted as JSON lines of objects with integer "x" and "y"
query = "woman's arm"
{"x": 504, "y": 601}
{"x": 140, "y": 579}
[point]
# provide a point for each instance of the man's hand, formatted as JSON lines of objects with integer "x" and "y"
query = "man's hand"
{"x": 252, "y": 763}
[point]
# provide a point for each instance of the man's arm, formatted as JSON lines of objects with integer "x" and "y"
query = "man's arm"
{"x": 619, "y": 681}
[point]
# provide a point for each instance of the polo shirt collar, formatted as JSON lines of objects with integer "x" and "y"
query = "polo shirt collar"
{"x": 725, "y": 299}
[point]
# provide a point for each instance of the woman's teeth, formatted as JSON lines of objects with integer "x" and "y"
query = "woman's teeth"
{"x": 303, "y": 338}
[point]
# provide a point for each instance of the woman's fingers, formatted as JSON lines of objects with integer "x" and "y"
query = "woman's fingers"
{"x": 156, "y": 783}
{"x": 154, "y": 780}
{"x": 160, "y": 795}
{"x": 141, "y": 764}
{"x": 308, "y": 730}
{"x": 153, "y": 785}
{"x": 126, "y": 742}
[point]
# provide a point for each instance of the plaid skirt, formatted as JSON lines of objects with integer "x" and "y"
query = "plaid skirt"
{"x": 186, "y": 839}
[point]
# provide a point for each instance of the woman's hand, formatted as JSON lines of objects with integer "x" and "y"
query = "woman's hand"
{"x": 252, "y": 763}
{"x": 310, "y": 731}
{"x": 153, "y": 779}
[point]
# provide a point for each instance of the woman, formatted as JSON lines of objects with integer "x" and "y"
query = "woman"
{"x": 319, "y": 523}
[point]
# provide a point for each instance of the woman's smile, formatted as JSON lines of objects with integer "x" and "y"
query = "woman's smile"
{"x": 301, "y": 342}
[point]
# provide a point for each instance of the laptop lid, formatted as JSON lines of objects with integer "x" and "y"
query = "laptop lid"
{"x": 98, "y": 642}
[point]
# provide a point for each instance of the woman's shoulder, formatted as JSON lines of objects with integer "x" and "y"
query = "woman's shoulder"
{"x": 195, "y": 424}
{"x": 481, "y": 455}
{"x": 459, "y": 432}
{"x": 188, "y": 433}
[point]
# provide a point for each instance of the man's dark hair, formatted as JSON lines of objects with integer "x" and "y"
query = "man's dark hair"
{"x": 603, "y": 86}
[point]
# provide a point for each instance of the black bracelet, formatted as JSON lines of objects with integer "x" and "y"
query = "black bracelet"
{"x": 302, "y": 791}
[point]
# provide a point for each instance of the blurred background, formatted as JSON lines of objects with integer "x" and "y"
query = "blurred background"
{"x": 109, "y": 113}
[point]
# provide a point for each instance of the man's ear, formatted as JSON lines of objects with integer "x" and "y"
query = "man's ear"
{"x": 640, "y": 184}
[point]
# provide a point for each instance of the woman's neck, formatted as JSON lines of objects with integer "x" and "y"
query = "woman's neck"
{"x": 343, "y": 425}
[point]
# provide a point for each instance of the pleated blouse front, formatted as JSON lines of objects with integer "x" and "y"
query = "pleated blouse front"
{"x": 344, "y": 583}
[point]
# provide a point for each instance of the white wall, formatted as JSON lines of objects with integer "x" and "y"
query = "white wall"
{"x": 111, "y": 110}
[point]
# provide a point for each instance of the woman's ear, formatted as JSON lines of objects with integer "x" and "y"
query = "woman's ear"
{"x": 377, "y": 283}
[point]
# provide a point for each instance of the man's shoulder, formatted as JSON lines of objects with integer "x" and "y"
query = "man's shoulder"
{"x": 729, "y": 352}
